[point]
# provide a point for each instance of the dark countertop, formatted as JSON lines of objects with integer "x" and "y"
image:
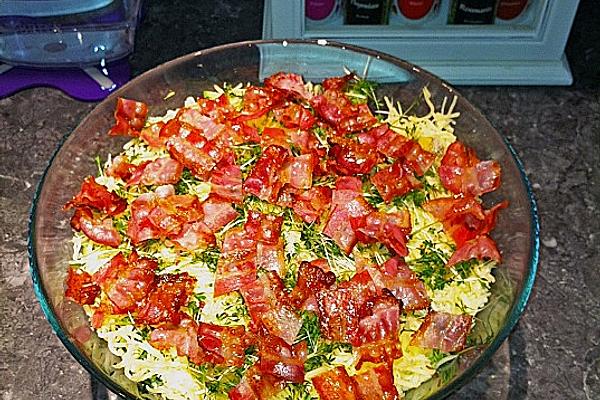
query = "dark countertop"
{"x": 554, "y": 351}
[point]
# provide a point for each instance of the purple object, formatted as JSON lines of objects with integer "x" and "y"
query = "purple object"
{"x": 318, "y": 10}
{"x": 89, "y": 84}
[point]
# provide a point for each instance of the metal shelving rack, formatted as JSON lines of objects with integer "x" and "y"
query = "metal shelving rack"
{"x": 526, "y": 51}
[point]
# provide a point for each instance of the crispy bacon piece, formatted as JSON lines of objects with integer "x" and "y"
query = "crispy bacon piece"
{"x": 243, "y": 391}
{"x": 340, "y": 230}
{"x": 378, "y": 329}
{"x": 464, "y": 218}
{"x": 164, "y": 302}
{"x": 351, "y": 158}
{"x": 130, "y": 117}
{"x": 380, "y": 320}
{"x": 217, "y": 213}
{"x": 195, "y": 152}
{"x": 193, "y": 235}
{"x": 256, "y": 386}
{"x": 480, "y": 248}
{"x": 120, "y": 168}
{"x": 443, "y": 331}
{"x": 395, "y": 180}
{"x": 395, "y": 276}
{"x": 100, "y": 313}
{"x": 100, "y": 230}
{"x": 290, "y": 83}
{"x": 417, "y": 158}
{"x": 163, "y": 214}
{"x": 236, "y": 266}
{"x": 371, "y": 136}
{"x": 337, "y": 83}
{"x": 162, "y": 171}
{"x": 395, "y": 145}
{"x": 265, "y": 228}
{"x": 233, "y": 274}
{"x": 274, "y": 136}
{"x": 280, "y": 359}
{"x": 361, "y": 118}
{"x": 259, "y": 101}
{"x": 96, "y": 196}
{"x": 311, "y": 204}
{"x": 140, "y": 228}
{"x": 271, "y": 257}
{"x": 294, "y": 116}
{"x": 339, "y": 112}
{"x": 376, "y": 383}
{"x": 219, "y": 110}
{"x": 151, "y": 135}
{"x": 391, "y": 229}
{"x": 223, "y": 345}
{"x": 340, "y": 307}
{"x": 127, "y": 282}
{"x": 350, "y": 183}
{"x": 462, "y": 172}
{"x": 327, "y": 109}
{"x": 347, "y": 202}
{"x": 172, "y": 127}
{"x": 336, "y": 384}
{"x": 298, "y": 171}
{"x": 196, "y": 119}
{"x": 262, "y": 298}
{"x": 264, "y": 180}
{"x": 226, "y": 182}
{"x": 184, "y": 337}
{"x": 80, "y": 287}
{"x": 311, "y": 280}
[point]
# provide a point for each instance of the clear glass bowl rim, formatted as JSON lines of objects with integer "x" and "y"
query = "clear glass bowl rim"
{"x": 454, "y": 385}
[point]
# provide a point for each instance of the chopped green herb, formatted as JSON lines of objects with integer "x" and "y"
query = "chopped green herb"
{"x": 310, "y": 330}
{"x": 186, "y": 181}
{"x": 327, "y": 180}
{"x": 322, "y": 246}
{"x": 194, "y": 306}
{"x": 464, "y": 268}
{"x": 321, "y": 135}
{"x": 436, "y": 356}
{"x": 416, "y": 197}
{"x": 323, "y": 354}
{"x": 371, "y": 194}
{"x": 234, "y": 312}
{"x": 297, "y": 391}
{"x": 448, "y": 371}
{"x": 252, "y": 202}
{"x": 362, "y": 91}
{"x": 431, "y": 266}
{"x": 246, "y": 155}
{"x": 209, "y": 256}
{"x": 99, "y": 166}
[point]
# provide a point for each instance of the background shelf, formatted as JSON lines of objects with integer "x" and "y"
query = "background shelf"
{"x": 528, "y": 50}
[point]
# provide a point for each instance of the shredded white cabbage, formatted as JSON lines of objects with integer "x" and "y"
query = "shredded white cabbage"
{"x": 170, "y": 374}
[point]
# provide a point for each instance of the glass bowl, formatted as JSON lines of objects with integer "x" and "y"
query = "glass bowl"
{"x": 49, "y": 242}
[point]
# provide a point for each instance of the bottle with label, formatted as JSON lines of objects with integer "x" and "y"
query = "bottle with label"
{"x": 472, "y": 12}
{"x": 321, "y": 10}
{"x": 510, "y": 9}
{"x": 415, "y": 9}
{"x": 367, "y": 12}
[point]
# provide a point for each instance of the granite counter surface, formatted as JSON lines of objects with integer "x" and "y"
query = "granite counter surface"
{"x": 554, "y": 351}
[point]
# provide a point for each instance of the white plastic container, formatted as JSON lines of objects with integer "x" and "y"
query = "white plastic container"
{"x": 66, "y": 33}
